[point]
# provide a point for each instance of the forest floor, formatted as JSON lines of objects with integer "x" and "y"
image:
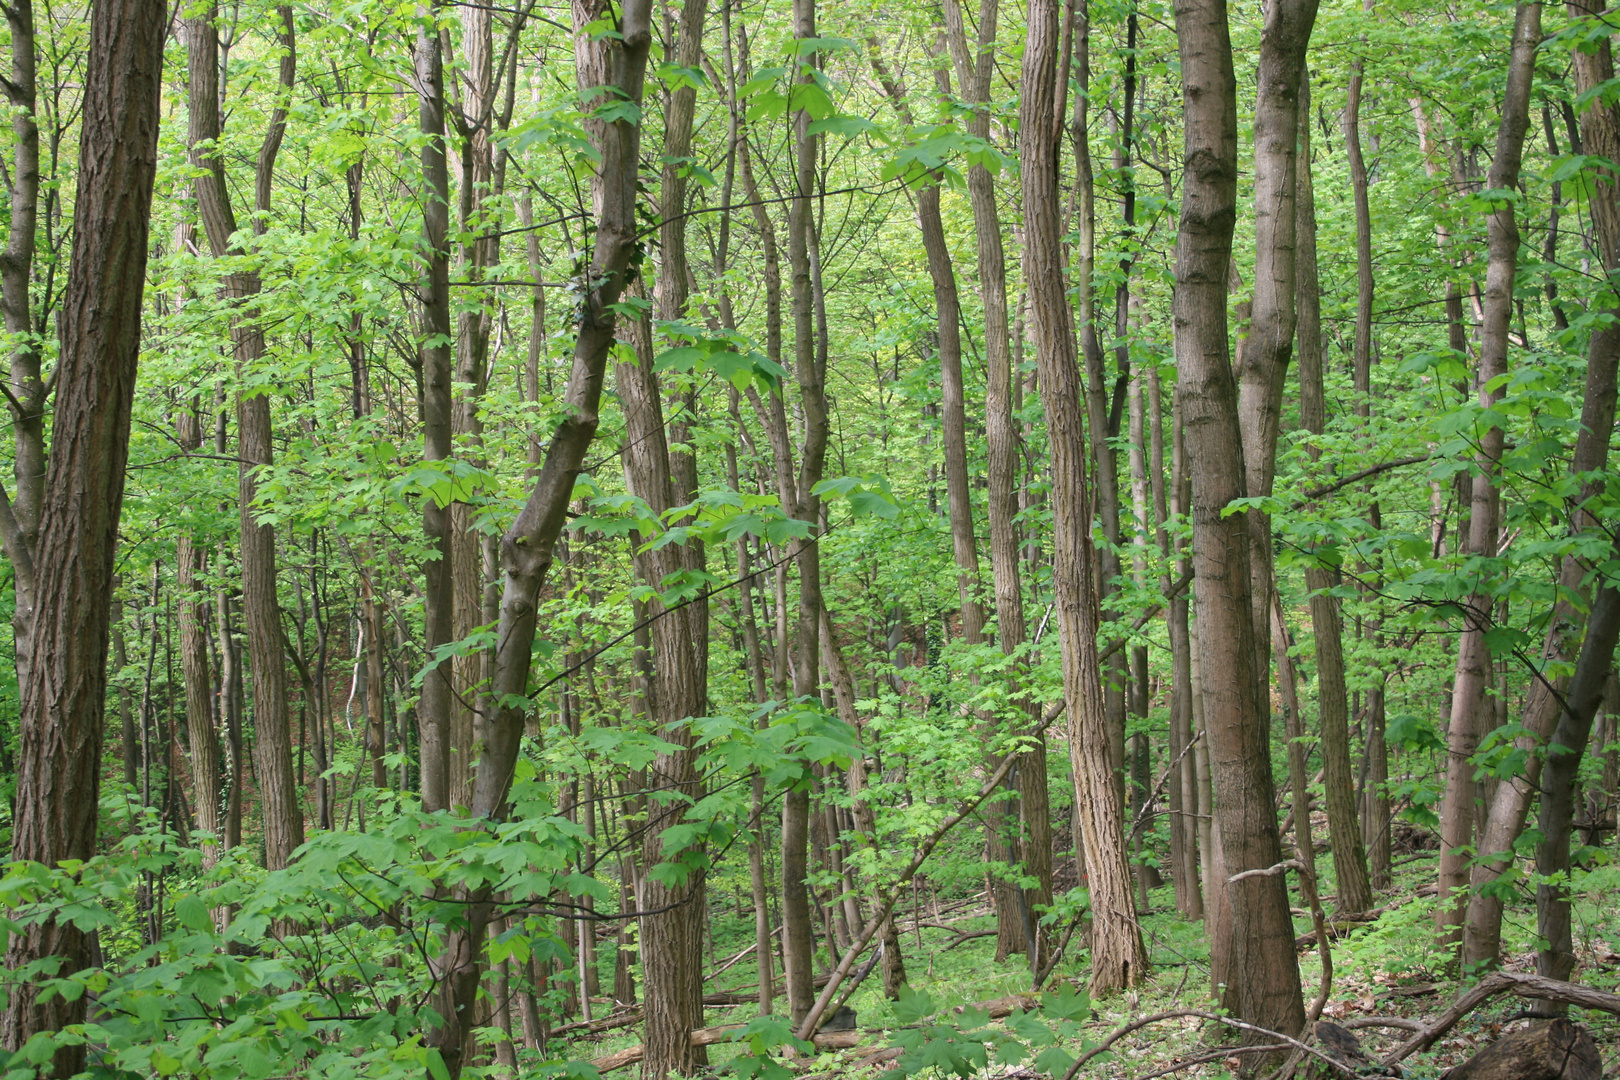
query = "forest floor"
{"x": 1386, "y": 968}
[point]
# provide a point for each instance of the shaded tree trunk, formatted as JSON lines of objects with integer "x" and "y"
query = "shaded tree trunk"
{"x": 61, "y": 717}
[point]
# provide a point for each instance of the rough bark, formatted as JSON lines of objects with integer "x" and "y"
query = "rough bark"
{"x": 1469, "y": 703}
{"x": 99, "y": 328}
{"x": 1262, "y": 984}
{"x": 1118, "y": 958}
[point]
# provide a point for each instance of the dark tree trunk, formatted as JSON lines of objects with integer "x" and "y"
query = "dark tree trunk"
{"x": 528, "y": 548}
{"x": 59, "y": 763}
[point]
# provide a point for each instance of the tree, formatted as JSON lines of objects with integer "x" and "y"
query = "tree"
{"x": 1118, "y": 959}
{"x": 1261, "y": 976}
{"x": 99, "y": 330}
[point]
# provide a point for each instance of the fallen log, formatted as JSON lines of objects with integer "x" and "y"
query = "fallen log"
{"x": 1502, "y": 982}
{"x": 1556, "y": 1050}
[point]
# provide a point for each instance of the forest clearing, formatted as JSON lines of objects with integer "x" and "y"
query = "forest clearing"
{"x": 1046, "y": 539}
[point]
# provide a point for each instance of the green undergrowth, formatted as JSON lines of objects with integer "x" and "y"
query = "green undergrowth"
{"x": 1391, "y": 966}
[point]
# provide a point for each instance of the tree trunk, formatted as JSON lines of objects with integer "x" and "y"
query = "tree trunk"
{"x": 1118, "y": 958}
{"x": 1349, "y": 854}
{"x": 99, "y": 326}
{"x": 202, "y": 735}
{"x": 528, "y": 548}
{"x": 1469, "y": 704}
{"x": 1556, "y": 960}
{"x": 1600, "y": 135}
{"x": 28, "y": 392}
{"x": 1262, "y": 974}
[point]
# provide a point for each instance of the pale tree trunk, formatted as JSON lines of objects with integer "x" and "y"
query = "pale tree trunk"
{"x": 433, "y": 711}
{"x": 1262, "y": 975}
{"x": 973, "y": 70}
{"x": 472, "y": 113}
{"x": 1118, "y": 958}
{"x": 1469, "y": 703}
{"x": 99, "y": 328}
{"x": 1268, "y": 345}
{"x": 272, "y": 746}
{"x": 528, "y": 548}
{"x": 28, "y": 392}
{"x": 1600, "y": 136}
{"x": 1332, "y": 699}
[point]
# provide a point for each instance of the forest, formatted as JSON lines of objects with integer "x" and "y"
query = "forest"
{"x": 1008, "y": 540}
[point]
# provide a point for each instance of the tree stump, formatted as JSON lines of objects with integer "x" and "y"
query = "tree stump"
{"x": 1556, "y": 1050}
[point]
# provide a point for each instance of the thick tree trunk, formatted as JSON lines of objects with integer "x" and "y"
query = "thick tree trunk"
{"x": 1118, "y": 958}
{"x": 1469, "y": 703}
{"x": 61, "y": 716}
{"x": 1600, "y": 135}
{"x": 1262, "y": 975}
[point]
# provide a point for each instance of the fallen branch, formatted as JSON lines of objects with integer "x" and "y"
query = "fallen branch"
{"x": 1269, "y": 871}
{"x": 888, "y": 896}
{"x": 1501, "y": 982}
{"x": 1172, "y": 1014}
{"x": 1215, "y": 1055}
{"x": 831, "y": 1040}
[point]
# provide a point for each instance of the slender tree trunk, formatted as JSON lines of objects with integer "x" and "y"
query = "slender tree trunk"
{"x": 1118, "y": 958}
{"x": 1188, "y": 807}
{"x": 433, "y": 712}
{"x": 1600, "y": 135}
{"x": 261, "y": 609}
{"x": 99, "y": 327}
{"x": 528, "y": 548}
{"x": 1469, "y": 703}
{"x": 28, "y": 392}
{"x": 1262, "y": 975}
{"x": 1556, "y": 959}
{"x": 202, "y": 736}
{"x": 1349, "y": 856}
